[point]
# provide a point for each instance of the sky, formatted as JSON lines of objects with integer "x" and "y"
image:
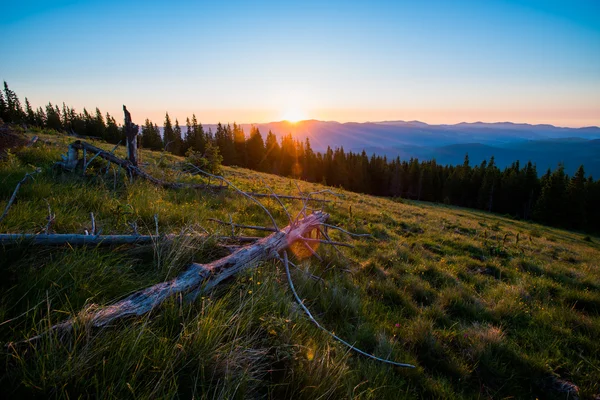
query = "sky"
{"x": 535, "y": 61}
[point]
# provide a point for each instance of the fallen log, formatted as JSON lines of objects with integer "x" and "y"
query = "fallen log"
{"x": 197, "y": 278}
{"x": 58, "y": 239}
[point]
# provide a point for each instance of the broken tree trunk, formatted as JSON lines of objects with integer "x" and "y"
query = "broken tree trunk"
{"x": 198, "y": 278}
{"x": 127, "y": 165}
{"x": 131, "y": 132}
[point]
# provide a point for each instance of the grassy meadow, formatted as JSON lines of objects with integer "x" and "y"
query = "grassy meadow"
{"x": 483, "y": 305}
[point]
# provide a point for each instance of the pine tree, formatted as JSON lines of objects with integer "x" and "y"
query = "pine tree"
{"x": 113, "y": 134}
{"x": 200, "y": 138}
{"x": 30, "y": 115}
{"x": 552, "y": 203}
{"x": 53, "y": 118}
{"x": 255, "y": 148}
{"x": 577, "y": 197}
{"x": 151, "y": 136}
{"x": 168, "y": 134}
{"x": 239, "y": 139}
{"x": 177, "y": 139}
{"x": 224, "y": 141}
{"x": 3, "y": 107}
{"x": 14, "y": 113}
{"x": 272, "y": 156}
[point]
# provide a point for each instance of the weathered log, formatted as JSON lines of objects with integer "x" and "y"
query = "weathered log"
{"x": 127, "y": 165}
{"x": 198, "y": 278}
{"x": 58, "y": 239}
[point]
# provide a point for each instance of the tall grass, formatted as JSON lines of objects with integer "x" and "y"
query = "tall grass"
{"x": 480, "y": 314}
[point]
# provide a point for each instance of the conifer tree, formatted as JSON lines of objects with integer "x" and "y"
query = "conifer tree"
{"x": 14, "y": 113}
{"x": 113, "y": 134}
{"x": 255, "y": 148}
{"x": 239, "y": 139}
{"x": 272, "y": 153}
{"x": 550, "y": 206}
{"x": 29, "y": 114}
{"x": 3, "y": 107}
{"x": 576, "y": 200}
{"x": 168, "y": 134}
{"x": 53, "y": 118}
{"x": 177, "y": 139}
{"x": 151, "y": 136}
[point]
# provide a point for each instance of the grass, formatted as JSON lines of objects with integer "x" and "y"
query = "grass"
{"x": 453, "y": 291}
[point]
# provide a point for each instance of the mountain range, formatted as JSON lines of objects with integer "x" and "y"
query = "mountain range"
{"x": 544, "y": 145}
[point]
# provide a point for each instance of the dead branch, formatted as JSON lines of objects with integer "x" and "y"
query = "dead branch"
{"x": 330, "y": 242}
{"x": 314, "y": 321}
{"x": 14, "y": 195}
{"x": 248, "y": 196}
{"x": 349, "y": 233}
{"x": 281, "y": 196}
{"x": 32, "y": 141}
{"x": 257, "y": 228}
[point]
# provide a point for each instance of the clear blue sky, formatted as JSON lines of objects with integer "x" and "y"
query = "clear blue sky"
{"x": 437, "y": 61}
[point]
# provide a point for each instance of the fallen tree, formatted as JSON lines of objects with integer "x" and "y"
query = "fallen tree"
{"x": 198, "y": 278}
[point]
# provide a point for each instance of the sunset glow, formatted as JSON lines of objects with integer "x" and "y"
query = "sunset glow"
{"x": 293, "y": 115}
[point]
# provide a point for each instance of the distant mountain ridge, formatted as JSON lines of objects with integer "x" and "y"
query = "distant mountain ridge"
{"x": 545, "y": 145}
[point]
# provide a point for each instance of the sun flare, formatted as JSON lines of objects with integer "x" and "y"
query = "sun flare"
{"x": 293, "y": 115}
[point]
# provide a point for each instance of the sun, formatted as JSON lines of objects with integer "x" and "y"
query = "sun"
{"x": 293, "y": 115}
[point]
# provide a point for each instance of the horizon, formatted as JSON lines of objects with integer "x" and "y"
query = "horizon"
{"x": 337, "y": 61}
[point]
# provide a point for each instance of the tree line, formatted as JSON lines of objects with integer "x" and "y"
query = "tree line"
{"x": 554, "y": 198}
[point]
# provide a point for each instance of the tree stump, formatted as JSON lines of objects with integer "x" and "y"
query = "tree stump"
{"x": 131, "y": 132}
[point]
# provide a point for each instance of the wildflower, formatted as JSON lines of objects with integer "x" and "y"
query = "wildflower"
{"x": 397, "y": 325}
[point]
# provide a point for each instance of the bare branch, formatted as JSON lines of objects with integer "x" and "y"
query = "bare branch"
{"x": 327, "y": 242}
{"x": 14, "y": 195}
{"x": 349, "y": 233}
{"x": 314, "y": 321}
{"x": 257, "y": 228}
{"x": 291, "y": 221}
{"x": 239, "y": 191}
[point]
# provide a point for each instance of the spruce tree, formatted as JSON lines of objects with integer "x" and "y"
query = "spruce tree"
{"x": 256, "y": 150}
{"x": 272, "y": 156}
{"x": 29, "y": 114}
{"x": 239, "y": 139}
{"x": 577, "y": 199}
{"x": 53, "y": 118}
{"x": 177, "y": 139}
{"x": 14, "y": 113}
{"x": 550, "y": 206}
{"x": 168, "y": 134}
{"x": 3, "y": 107}
{"x": 150, "y": 136}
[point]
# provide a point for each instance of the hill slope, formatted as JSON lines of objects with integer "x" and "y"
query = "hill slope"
{"x": 484, "y": 306}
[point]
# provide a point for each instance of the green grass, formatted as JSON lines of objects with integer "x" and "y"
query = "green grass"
{"x": 451, "y": 290}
